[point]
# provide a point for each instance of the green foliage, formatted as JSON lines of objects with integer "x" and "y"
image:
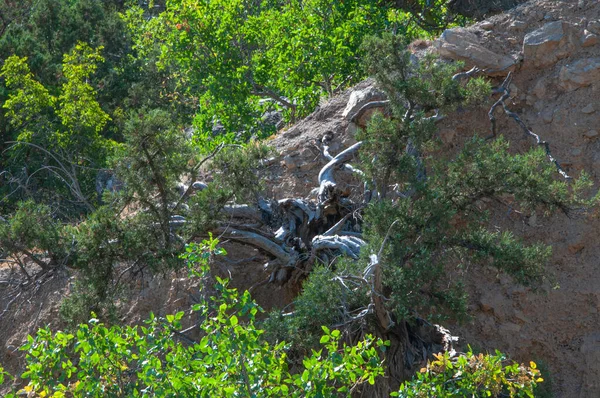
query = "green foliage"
{"x": 229, "y": 54}
{"x": 33, "y": 228}
{"x": 103, "y": 241}
{"x": 58, "y": 148}
{"x": 426, "y": 17}
{"x": 79, "y": 109}
{"x": 239, "y": 171}
{"x": 153, "y": 157}
{"x": 429, "y": 203}
{"x": 79, "y": 95}
{"x": 30, "y": 99}
{"x": 4, "y": 376}
{"x": 229, "y": 359}
{"x": 473, "y": 376}
{"x": 545, "y": 389}
{"x": 325, "y": 300}
{"x": 148, "y": 166}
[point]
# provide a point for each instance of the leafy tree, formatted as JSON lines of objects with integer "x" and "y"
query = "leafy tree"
{"x": 45, "y": 30}
{"x": 419, "y": 224}
{"x": 431, "y": 219}
{"x": 32, "y": 231}
{"x": 431, "y": 16}
{"x": 58, "y": 142}
{"x": 230, "y": 54}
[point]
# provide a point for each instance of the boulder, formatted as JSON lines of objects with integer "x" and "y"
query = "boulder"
{"x": 594, "y": 27}
{"x": 486, "y": 25}
{"x": 589, "y": 108}
{"x": 199, "y": 186}
{"x": 579, "y": 74}
{"x": 272, "y": 119}
{"x": 545, "y": 46}
{"x": 462, "y": 44}
{"x": 359, "y": 98}
{"x": 589, "y": 39}
{"x": 291, "y": 162}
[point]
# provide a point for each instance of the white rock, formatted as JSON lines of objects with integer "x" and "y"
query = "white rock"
{"x": 199, "y": 186}
{"x": 461, "y": 44}
{"x": 486, "y": 25}
{"x": 579, "y": 74}
{"x": 359, "y": 98}
{"x": 517, "y": 25}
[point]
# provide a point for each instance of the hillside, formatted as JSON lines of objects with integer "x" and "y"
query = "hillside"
{"x": 551, "y": 49}
{"x": 559, "y": 326}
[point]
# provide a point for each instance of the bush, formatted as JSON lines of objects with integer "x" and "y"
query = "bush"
{"x": 471, "y": 375}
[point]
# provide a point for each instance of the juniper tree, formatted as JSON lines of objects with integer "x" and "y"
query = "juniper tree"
{"x": 424, "y": 223}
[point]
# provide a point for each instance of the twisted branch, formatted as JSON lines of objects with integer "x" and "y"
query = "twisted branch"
{"x": 505, "y": 90}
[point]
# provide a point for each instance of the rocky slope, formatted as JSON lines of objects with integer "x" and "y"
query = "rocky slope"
{"x": 552, "y": 49}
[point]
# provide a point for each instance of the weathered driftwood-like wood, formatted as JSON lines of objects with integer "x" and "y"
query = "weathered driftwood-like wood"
{"x": 326, "y": 178}
{"x": 286, "y": 256}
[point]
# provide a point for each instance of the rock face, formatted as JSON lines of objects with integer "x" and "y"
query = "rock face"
{"x": 590, "y": 352}
{"x": 545, "y": 46}
{"x": 359, "y": 98}
{"x": 558, "y": 96}
{"x": 579, "y": 74}
{"x": 462, "y": 44}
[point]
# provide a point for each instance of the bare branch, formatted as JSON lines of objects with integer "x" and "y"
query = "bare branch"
{"x": 9, "y": 304}
{"x": 383, "y": 316}
{"x": 326, "y": 180}
{"x": 505, "y": 94}
{"x": 287, "y": 258}
{"x": 244, "y": 211}
{"x": 348, "y": 245}
{"x": 70, "y": 174}
{"x": 505, "y": 89}
{"x": 464, "y": 75}
{"x": 538, "y": 141}
{"x": 346, "y": 167}
{"x": 436, "y": 118}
